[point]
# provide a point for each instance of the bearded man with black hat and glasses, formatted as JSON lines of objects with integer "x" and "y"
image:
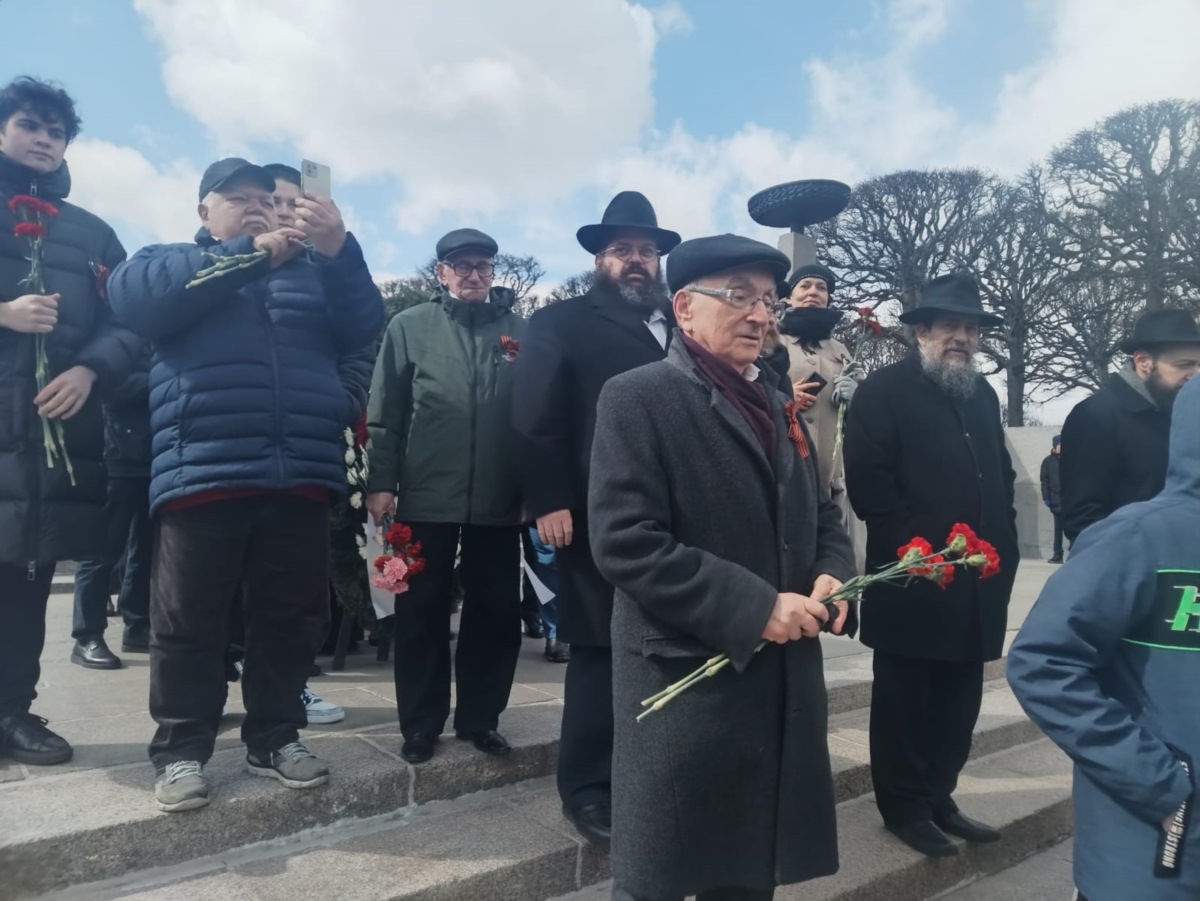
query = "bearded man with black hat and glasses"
{"x": 1115, "y": 442}
{"x": 572, "y": 349}
{"x": 925, "y": 450}
{"x": 247, "y": 412}
{"x": 442, "y": 460}
{"x": 709, "y": 515}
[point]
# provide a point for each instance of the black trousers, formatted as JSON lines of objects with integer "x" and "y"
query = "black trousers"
{"x": 585, "y": 745}
{"x": 275, "y": 548}
{"x": 1058, "y": 534}
{"x": 489, "y": 630}
{"x": 129, "y": 537}
{"x": 923, "y": 713}
{"x": 720, "y": 894}
{"x": 23, "y": 597}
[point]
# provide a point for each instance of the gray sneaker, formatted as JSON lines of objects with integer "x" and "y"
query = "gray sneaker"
{"x": 181, "y": 786}
{"x": 293, "y": 765}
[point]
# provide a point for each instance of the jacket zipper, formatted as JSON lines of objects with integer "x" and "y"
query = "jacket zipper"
{"x": 471, "y": 404}
{"x": 277, "y": 415}
{"x": 31, "y": 573}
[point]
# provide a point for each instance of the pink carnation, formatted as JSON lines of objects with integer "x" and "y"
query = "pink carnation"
{"x": 391, "y": 576}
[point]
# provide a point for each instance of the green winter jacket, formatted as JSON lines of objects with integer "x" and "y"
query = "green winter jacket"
{"x": 440, "y": 412}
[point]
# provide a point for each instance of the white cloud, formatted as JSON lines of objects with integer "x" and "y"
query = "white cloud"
{"x": 472, "y": 105}
{"x": 672, "y": 18}
{"x": 144, "y": 203}
{"x": 1104, "y": 55}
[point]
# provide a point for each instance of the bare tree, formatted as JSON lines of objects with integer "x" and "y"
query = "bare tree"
{"x": 1128, "y": 189}
{"x": 577, "y": 284}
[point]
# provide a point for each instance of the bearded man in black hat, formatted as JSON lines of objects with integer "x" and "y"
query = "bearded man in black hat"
{"x": 925, "y": 450}
{"x": 1115, "y": 442}
{"x": 571, "y": 349}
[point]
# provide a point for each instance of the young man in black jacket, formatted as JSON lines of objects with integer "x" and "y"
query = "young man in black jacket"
{"x": 1052, "y": 495}
{"x": 48, "y": 511}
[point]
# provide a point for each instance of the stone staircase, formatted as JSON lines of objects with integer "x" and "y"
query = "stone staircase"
{"x": 465, "y": 826}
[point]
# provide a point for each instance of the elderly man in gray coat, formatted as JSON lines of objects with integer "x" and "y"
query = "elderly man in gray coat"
{"x": 710, "y": 518}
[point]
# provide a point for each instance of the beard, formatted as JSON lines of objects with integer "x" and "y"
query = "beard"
{"x": 957, "y": 380}
{"x": 645, "y": 296}
{"x": 1163, "y": 395}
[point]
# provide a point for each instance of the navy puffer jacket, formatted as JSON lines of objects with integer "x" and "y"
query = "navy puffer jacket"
{"x": 244, "y": 387}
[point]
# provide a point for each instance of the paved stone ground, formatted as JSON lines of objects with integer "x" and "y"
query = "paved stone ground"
{"x": 1045, "y": 877}
{"x": 104, "y": 713}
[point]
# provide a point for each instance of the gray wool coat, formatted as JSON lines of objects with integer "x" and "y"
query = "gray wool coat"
{"x": 730, "y": 784}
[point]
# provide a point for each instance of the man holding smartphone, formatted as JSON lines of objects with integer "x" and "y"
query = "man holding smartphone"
{"x": 247, "y": 410}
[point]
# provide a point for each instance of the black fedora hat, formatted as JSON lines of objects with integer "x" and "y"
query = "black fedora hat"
{"x": 957, "y": 294}
{"x": 1154, "y": 328}
{"x": 629, "y": 209}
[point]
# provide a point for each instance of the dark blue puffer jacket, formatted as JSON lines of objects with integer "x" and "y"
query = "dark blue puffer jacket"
{"x": 244, "y": 387}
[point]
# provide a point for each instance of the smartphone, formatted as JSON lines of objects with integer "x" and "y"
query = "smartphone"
{"x": 821, "y": 383}
{"x": 315, "y": 180}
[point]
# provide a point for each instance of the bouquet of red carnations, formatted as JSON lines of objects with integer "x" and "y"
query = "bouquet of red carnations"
{"x": 401, "y": 563}
{"x": 913, "y": 560}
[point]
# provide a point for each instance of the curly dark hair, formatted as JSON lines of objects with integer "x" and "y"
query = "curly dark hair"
{"x": 44, "y": 98}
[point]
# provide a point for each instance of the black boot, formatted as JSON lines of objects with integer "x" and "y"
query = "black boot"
{"x": 25, "y": 739}
{"x": 557, "y": 651}
{"x": 93, "y": 653}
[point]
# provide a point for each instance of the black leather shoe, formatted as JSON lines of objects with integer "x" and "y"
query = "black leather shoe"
{"x": 533, "y": 627}
{"x": 557, "y": 651}
{"x": 966, "y": 828}
{"x": 418, "y": 747}
{"x": 924, "y": 836}
{"x": 593, "y": 822}
{"x": 94, "y": 654}
{"x": 489, "y": 741}
{"x": 136, "y": 642}
{"x": 1057, "y": 558}
{"x": 25, "y": 739}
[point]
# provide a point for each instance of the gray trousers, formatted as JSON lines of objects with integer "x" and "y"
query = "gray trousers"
{"x": 720, "y": 894}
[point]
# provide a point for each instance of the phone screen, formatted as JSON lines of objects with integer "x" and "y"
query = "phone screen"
{"x": 315, "y": 179}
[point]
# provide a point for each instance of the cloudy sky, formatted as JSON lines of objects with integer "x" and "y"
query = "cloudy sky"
{"x": 523, "y": 117}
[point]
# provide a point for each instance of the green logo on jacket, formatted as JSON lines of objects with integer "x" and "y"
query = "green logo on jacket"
{"x": 1174, "y": 621}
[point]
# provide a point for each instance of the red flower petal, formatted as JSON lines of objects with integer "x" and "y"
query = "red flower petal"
{"x": 29, "y": 230}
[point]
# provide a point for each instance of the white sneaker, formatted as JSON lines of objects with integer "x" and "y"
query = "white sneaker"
{"x": 320, "y": 711}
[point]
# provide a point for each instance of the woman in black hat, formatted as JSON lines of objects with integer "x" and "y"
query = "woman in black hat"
{"x": 807, "y": 325}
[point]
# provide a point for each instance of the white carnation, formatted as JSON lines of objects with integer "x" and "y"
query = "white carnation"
{"x": 362, "y": 552}
{"x": 356, "y": 500}
{"x": 349, "y": 436}
{"x": 360, "y": 541}
{"x": 349, "y": 456}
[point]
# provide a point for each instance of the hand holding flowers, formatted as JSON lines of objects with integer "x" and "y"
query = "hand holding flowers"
{"x": 795, "y": 615}
{"x": 394, "y": 569}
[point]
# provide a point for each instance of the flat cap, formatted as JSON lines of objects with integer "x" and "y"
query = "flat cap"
{"x": 231, "y": 170}
{"x": 701, "y": 257}
{"x": 465, "y": 239}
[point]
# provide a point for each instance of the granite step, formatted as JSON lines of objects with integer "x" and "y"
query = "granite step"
{"x": 510, "y": 844}
{"x": 99, "y": 824}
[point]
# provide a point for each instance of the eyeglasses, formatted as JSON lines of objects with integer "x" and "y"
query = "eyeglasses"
{"x": 625, "y": 252}
{"x": 736, "y": 297}
{"x": 462, "y": 270}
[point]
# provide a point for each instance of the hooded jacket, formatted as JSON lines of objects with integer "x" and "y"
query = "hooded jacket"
{"x": 439, "y": 414}
{"x": 43, "y": 517}
{"x": 245, "y": 391}
{"x": 1107, "y": 664}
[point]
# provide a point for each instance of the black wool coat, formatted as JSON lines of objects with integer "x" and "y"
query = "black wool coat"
{"x": 570, "y": 350}
{"x": 43, "y": 517}
{"x": 1114, "y": 452}
{"x": 917, "y": 462}
{"x": 728, "y": 785}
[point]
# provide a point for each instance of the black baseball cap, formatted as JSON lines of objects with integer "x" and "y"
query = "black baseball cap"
{"x": 224, "y": 171}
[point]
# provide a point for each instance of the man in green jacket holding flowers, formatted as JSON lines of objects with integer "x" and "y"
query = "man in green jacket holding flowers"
{"x": 442, "y": 462}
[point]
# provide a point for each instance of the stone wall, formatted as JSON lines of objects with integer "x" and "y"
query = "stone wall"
{"x": 1028, "y": 446}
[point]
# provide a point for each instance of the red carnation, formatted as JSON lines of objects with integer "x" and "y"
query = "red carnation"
{"x": 962, "y": 539}
{"x": 941, "y": 573}
{"x": 398, "y": 535}
{"x": 44, "y": 206}
{"x": 381, "y": 561}
{"x": 914, "y": 551}
{"x": 360, "y": 431}
{"x": 866, "y": 312}
{"x": 875, "y": 328}
{"x": 31, "y": 230}
{"x": 992, "y": 567}
{"x": 416, "y": 566}
{"x": 28, "y": 201}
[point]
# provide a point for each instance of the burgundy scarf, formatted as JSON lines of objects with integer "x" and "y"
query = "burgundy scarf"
{"x": 748, "y": 398}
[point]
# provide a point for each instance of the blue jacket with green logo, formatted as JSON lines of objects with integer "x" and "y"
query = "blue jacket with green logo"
{"x": 1108, "y": 665}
